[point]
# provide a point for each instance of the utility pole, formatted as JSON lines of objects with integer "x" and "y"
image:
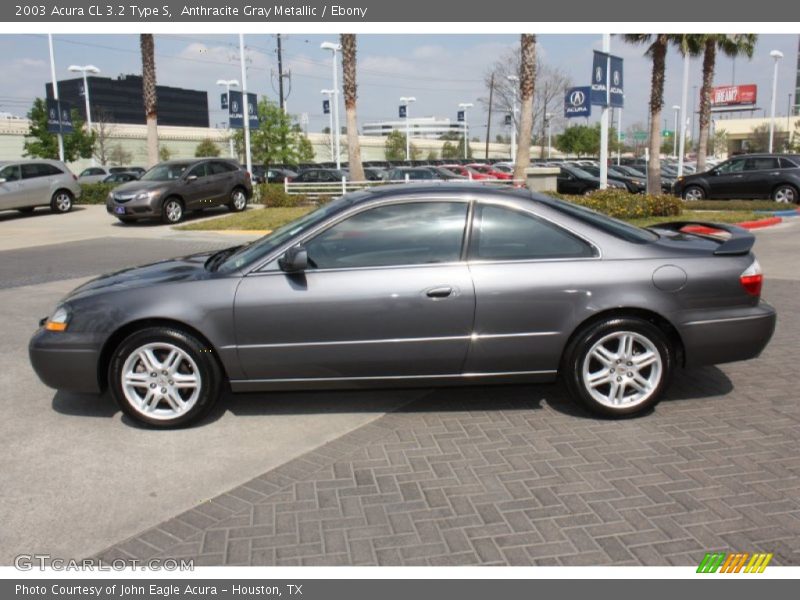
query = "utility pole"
{"x": 55, "y": 97}
{"x": 280, "y": 75}
{"x": 489, "y": 118}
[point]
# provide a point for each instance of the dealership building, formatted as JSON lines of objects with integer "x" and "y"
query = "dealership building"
{"x": 431, "y": 128}
{"x": 120, "y": 100}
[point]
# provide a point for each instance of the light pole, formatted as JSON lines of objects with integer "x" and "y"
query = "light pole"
{"x": 84, "y": 70}
{"x": 776, "y": 55}
{"x": 464, "y": 106}
{"x": 684, "y": 107}
{"x": 548, "y": 117}
{"x": 406, "y": 101}
{"x": 604, "y": 116}
{"x": 229, "y": 83}
{"x": 334, "y": 48}
{"x": 677, "y": 109}
{"x": 619, "y": 135}
{"x": 514, "y": 81}
{"x": 330, "y": 94}
{"x": 55, "y": 95}
{"x": 246, "y": 107}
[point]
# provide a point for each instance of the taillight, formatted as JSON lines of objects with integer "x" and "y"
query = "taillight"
{"x": 752, "y": 279}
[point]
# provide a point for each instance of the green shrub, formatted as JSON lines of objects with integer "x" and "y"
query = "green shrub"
{"x": 273, "y": 195}
{"x": 624, "y": 205}
{"x": 94, "y": 193}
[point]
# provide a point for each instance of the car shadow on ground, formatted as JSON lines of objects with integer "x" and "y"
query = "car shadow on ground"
{"x": 188, "y": 217}
{"x": 689, "y": 384}
{"x": 40, "y": 211}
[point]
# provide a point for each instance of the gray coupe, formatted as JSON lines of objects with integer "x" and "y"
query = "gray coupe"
{"x": 416, "y": 285}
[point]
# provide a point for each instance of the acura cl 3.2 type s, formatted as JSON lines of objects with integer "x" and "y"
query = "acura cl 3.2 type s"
{"x": 415, "y": 285}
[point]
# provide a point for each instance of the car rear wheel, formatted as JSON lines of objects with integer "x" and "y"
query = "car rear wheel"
{"x": 785, "y": 194}
{"x": 164, "y": 377}
{"x": 618, "y": 367}
{"x": 172, "y": 211}
{"x": 694, "y": 192}
{"x": 61, "y": 202}
{"x": 238, "y": 200}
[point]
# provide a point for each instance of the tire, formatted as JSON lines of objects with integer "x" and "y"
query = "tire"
{"x": 163, "y": 401}
{"x": 126, "y": 220}
{"x": 595, "y": 352}
{"x": 27, "y": 210}
{"x": 694, "y": 192}
{"x": 171, "y": 211}
{"x": 238, "y": 200}
{"x": 786, "y": 194}
{"x": 61, "y": 201}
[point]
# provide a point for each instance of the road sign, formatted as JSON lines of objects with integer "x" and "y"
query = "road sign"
{"x": 640, "y": 136}
{"x": 667, "y": 133}
{"x": 576, "y": 102}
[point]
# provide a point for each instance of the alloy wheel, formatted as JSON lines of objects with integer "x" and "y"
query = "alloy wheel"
{"x": 174, "y": 211}
{"x": 239, "y": 200}
{"x": 622, "y": 369}
{"x": 62, "y": 202}
{"x": 693, "y": 193}
{"x": 785, "y": 195}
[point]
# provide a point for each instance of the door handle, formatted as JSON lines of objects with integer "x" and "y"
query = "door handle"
{"x": 738, "y": 176}
{"x": 439, "y": 292}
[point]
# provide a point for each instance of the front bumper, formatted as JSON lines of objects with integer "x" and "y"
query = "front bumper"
{"x": 66, "y": 361}
{"x": 728, "y": 335}
{"x": 141, "y": 209}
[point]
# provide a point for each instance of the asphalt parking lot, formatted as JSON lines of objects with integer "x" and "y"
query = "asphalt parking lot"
{"x": 500, "y": 475}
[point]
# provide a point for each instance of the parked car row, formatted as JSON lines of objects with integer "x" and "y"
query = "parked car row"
{"x": 101, "y": 174}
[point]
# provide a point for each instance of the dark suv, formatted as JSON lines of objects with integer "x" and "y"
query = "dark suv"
{"x": 775, "y": 176}
{"x": 173, "y": 187}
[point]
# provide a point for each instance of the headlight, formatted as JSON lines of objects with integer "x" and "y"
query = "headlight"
{"x": 59, "y": 320}
{"x": 679, "y": 179}
{"x": 147, "y": 195}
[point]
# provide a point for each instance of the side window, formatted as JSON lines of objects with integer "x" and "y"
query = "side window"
{"x": 788, "y": 164}
{"x": 199, "y": 171}
{"x": 219, "y": 168}
{"x": 10, "y": 173}
{"x": 503, "y": 234}
{"x": 732, "y": 166}
{"x": 414, "y": 233}
{"x": 48, "y": 169}
{"x": 31, "y": 170}
{"x": 761, "y": 164}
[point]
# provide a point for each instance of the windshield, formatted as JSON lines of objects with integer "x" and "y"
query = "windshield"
{"x": 262, "y": 247}
{"x": 578, "y": 172}
{"x": 165, "y": 172}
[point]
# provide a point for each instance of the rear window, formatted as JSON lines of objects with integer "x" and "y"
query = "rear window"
{"x": 618, "y": 229}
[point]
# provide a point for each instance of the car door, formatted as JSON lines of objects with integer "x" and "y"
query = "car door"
{"x": 727, "y": 180}
{"x": 526, "y": 289}
{"x": 199, "y": 192}
{"x": 386, "y": 294}
{"x": 12, "y": 193}
{"x": 762, "y": 174}
{"x": 222, "y": 176}
{"x": 36, "y": 183}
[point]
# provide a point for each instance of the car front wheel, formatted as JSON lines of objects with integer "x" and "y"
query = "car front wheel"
{"x": 238, "y": 200}
{"x": 163, "y": 377}
{"x": 693, "y": 192}
{"x": 172, "y": 211}
{"x": 618, "y": 367}
{"x": 785, "y": 194}
{"x": 61, "y": 202}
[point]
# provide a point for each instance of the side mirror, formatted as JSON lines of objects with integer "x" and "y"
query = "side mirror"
{"x": 2, "y": 179}
{"x": 294, "y": 260}
{"x": 190, "y": 178}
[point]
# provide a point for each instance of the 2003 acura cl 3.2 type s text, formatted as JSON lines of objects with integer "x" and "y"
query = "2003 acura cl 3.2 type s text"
{"x": 415, "y": 285}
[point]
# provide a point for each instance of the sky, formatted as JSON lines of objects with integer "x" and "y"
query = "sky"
{"x": 440, "y": 70}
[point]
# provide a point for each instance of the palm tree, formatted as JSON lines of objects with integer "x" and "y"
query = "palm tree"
{"x": 147, "y": 46}
{"x": 348, "y": 41}
{"x": 657, "y": 51}
{"x": 527, "y": 82}
{"x": 731, "y": 45}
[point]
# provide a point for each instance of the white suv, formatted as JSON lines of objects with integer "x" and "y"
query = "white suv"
{"x": 26, "y": 184}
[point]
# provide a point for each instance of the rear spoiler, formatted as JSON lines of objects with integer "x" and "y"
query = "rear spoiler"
{"x": 739, "y": 242}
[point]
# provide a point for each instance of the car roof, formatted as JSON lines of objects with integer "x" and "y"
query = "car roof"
{"x": 439, "y": 188}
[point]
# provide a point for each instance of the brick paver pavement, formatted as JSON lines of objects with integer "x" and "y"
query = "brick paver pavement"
{"x": 518, "y": 475}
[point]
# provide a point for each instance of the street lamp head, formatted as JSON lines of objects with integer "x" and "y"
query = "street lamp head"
{"x": 327, "y": 92}
{"x": 676, "y": 107}
{"x": 776, "y": 54}
{"x": 330, "y": 46}
{"x": 407, "y": 99}
{"x": 229, "y": 82}
{"x": 86, "y": 69}
{"x": 512, "y": 77}
{"x": 465, "y": 105}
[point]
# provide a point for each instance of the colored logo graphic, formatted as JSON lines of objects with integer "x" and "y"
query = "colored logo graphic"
{"x": 735, "y": 562}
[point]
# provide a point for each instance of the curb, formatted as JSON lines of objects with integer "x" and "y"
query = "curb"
{"x": 795, "y": 212}
{"x": 759, "y": 224}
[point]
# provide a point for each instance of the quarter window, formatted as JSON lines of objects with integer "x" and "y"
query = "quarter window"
{"x": 761, "y": 164}
{"x": 413, "y": 233}
{"x": 503, "y": 234}
{"x": 219, "y": 168}
{"x": 788, "y": 164}
{"x": 10, "y": 173}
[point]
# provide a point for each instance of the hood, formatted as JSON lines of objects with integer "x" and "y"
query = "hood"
{"x": 134, "y": 187}
{"x": 187, "y": 268}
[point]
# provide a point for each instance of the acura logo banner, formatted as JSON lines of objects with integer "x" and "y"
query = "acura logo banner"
{"x": 59, "y": 116}
{"x": 607, "y": 80}
{"x": 576, "y": 102}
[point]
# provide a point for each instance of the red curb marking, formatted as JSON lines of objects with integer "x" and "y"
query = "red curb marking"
{"x": 746, "y": 225}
